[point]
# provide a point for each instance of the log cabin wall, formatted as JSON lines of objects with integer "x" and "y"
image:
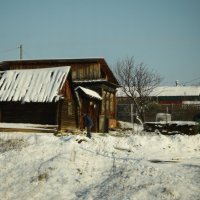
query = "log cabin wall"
{"x": 67, "y": 109}
{"x": 86, "y": 71}
{"x": 67, "y": 115}
{"x": 80, "y": 71}
{"x": 0, "y": 112}
{"x": 108, "y": 106}
{"x": 39, "y": 113}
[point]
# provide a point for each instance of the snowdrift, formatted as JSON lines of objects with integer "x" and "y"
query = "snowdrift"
{"x": 130, "y": 166}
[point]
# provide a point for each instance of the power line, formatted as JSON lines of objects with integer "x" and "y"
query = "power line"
{"x": 21, "y": 51}
{"x": 8, "y": 50}
{"x": 192, "y": 80}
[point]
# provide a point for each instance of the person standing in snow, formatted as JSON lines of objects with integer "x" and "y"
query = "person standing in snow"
{"x": 88, "y": 123}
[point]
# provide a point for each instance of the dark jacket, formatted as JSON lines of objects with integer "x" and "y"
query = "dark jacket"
{"x": 87, "y": 121}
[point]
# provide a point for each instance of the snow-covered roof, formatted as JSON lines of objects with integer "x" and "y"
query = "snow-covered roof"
{"x": 90, "y": 93}
{"x": 32, "y": 85}
{"x": 169, "y": 91}
{"x": 176, "y": 91}
{"x": 89, "y": 81}
{"x": 121, "y": 93}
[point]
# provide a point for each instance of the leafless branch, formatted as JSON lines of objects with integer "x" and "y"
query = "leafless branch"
{"x": 137, "y": 81}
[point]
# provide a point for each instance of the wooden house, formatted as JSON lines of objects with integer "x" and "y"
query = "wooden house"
{"x": 38, "y": 96}
{"x": 92, "y": 79}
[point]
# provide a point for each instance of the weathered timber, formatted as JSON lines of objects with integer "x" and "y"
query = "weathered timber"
{"x": 171, "y": 128}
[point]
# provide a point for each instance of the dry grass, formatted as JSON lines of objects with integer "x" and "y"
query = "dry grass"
{"x": 11, "y": 144}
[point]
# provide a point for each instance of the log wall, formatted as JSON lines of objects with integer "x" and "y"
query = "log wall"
{"x": 38, "y": 113}
{"x": 68, "y": 120}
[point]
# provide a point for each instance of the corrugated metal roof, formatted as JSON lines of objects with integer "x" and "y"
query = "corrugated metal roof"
{"x": 32, "y": 85}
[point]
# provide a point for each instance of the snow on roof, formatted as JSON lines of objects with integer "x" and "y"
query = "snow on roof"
{"x": 176, "y": 91}
{"x": 121, "y": 92}
{"x": 169, "y": 91}
{"x": 32, "y": 85}
{"x": 90, "y": 93}
{"x": 89, "y": 81}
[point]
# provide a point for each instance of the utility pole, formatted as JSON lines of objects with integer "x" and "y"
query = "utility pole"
{"x": 132, "y": 116}
{"x": 20, "y": 49}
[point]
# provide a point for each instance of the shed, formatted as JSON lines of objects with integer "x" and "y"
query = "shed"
{"x": 38, "y": 96}
{"x": 90, "y": 73}
{"x": 89, "y": 102}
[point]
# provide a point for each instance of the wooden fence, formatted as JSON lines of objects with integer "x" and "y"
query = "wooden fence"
{"x": 178, "y": 112}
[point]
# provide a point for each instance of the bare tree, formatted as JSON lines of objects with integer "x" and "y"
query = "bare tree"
{"x": 137, "y": 82}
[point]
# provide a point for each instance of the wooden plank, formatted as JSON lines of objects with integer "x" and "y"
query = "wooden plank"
{"x": 24, "y": 130}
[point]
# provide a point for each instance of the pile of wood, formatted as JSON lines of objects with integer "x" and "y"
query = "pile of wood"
{"x": 172, "y": 127}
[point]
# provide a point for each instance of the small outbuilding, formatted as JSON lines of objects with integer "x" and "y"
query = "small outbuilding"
{"x": 38, "y": 96}
{"x": 89, "y": 102}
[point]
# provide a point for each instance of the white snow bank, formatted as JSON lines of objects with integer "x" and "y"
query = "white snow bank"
{"x": 140, "y": 166}
{"x": 128, "y": 125}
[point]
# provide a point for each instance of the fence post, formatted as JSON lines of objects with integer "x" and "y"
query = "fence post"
{"x": 132, "y": 115}
{"x": 166, "y": 114}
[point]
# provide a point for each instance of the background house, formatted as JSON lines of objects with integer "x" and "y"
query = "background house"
{"x": 177, "y": 95}
{"x": 89, "y": 73}
{"x": 182, "y": 102}
{"x": 38, "y": 96}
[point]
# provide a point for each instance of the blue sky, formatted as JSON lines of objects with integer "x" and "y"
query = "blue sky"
{"x": 164, "y": 34}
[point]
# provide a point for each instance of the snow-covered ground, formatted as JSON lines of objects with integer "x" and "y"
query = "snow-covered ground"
{"x": 116, "y": 166}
